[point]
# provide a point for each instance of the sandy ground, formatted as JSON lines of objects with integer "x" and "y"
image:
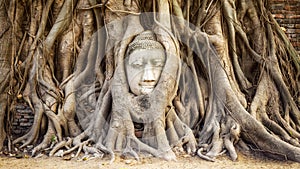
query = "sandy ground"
{"x": 222, "y": 162}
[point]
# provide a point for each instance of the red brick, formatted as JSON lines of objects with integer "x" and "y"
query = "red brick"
{"x": 28, "y": 117}
{"x": 277, "y": 1}
{"x": 15, "y": 124}
{"x": 25, "y": 124}
{"x": 293, "y": 31}
{"x": 17, "y": 131}
{"x": 279, "y": 7}
{"x": 278, "y": 16}
{"x": 288, "y": 25}
{"x": 292, "y": 37}
{"x": 288, "y": 21}
{"x": 293, "y": 16}
{"x": 296, "y": 44}
{"x": 23, "y": 120}
{"x": 17, "y": 116}
{"x": 285, "y": 12}
{"x": 291, "y": 7}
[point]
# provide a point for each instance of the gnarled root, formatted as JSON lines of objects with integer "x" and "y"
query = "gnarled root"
{"x": 179, "y": 134}
{"x": 121, "y": 137}
{"x": 224, "y": 137}
{"x": 201, "y": 154}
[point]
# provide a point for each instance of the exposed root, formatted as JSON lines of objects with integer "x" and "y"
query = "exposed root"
{"x": 48, "y": 139}
{"x": 65, "y": 143}
{"x": 201, "y": 155}
{"x": 179, "y": 133}
{"x": 232, "y": 138}
{"x": 79, "y": 147}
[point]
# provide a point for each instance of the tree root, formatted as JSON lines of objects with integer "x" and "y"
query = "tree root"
{"x": 179, "y": 133}
{"x": 48, "y": 138}
{"x": 3, "y": 105}
{"x": 223, "y": 138}
{"x": 265, "y": 101}
{"x": 65, "y": 143}
{"x": 203, "y": 156}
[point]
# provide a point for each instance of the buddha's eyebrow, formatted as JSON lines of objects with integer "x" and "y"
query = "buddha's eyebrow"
{"x": 139, "y": 60}
{"x": 158, "y": 59}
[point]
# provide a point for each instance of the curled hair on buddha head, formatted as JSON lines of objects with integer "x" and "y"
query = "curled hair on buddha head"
{"x": 144, "y": 40}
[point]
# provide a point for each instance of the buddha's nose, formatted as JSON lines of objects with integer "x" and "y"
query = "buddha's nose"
{"x": 148, "y": 75}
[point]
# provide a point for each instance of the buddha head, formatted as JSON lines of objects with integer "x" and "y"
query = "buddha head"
{"x": 144, "y": 63}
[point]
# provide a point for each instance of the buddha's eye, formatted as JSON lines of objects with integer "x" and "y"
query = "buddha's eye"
{"x": 137, "y": 63}
{"x": 158, "y": 63}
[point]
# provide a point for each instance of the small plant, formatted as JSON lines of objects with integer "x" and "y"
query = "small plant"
{"x": 53, "y": 139}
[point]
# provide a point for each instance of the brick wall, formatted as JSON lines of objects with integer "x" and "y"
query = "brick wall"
{"x": 287, "y": 14}
{"x": 23, "y": 119}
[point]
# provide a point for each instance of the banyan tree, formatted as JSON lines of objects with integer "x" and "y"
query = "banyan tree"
{"x": 156, "y": 77}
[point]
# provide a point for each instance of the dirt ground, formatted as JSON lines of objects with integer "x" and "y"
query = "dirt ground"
{"x": 186, "y": 162}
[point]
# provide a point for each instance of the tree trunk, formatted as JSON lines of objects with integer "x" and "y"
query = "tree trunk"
{"x": 5, "y": 67}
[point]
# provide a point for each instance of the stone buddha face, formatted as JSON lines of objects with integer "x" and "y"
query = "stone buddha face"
{"x": 144, "y": 64}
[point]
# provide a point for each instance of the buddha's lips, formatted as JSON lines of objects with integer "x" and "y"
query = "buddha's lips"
{"x": 147, "y": 86}
{"x": 146, "y": 89}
